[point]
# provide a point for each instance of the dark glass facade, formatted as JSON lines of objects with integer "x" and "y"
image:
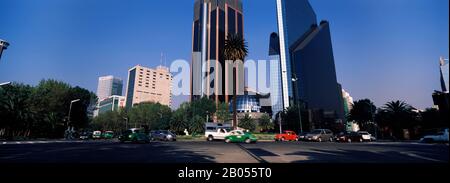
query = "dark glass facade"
{"x": 130, "y": 90}
{"x": 295, "y": 18}
{"x": 213, "y": 21}
{"x": 307, "y": 64}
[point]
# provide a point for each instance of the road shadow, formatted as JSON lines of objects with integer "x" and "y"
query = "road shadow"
{"x": 101, "y": 153}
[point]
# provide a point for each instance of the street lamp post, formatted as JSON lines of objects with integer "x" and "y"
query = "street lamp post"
{"x": 373, "y": 121}
{"x": 3, "y": 46}
{"x": 295, "y": 80}
{"x": 70, "y": 110}
{"x": 126, "y": 123}
{"x": 207, "y": 116}
{"x": 5, "y": 83}
{"x": 279, "y": 122}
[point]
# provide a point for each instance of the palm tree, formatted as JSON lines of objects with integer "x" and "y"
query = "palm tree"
{"x": 399, "y": 115}
{"x": 235, "y": 49}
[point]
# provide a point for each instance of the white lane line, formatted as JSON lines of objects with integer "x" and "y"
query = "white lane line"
{"x": 419, "y": 156}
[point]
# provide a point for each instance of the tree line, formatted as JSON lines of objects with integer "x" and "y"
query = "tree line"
{"x": 42, "y": 111}
{"x": 396, "y": 119}
{"x": 393, "y": 120}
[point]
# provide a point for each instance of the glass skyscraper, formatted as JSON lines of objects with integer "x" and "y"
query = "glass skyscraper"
{"x": 276, "y": 96}
{"x": 295, "y": 18}
{"x": 109, "y": 86}
{"x": 444, "y": 74}
{"x": 213, "y": 21}
{"x": 307, "y": 64}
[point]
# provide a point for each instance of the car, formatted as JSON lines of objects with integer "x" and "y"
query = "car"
{"x": 349, "y": 137}
{"x": 108, "y": 135}
{"x": 164, "y": 135}
{"x": 239, "y": 136}
{"x": 302, "y": 136}
{"x": 366, "y": 136}
{"x": 97, "y": 135}
{"x": 287, "y": 136}
{"x": 441, "y": 136}
{"x": 85, "y": 135}
{"x": 320, "y": 135}
{"x": 215, "y": 131}
{"x": 134, "y": 135}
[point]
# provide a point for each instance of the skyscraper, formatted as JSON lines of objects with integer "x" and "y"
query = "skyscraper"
{"x": 109, "y": 86}
{"x": 444, "y": 74}
{"x": 307, "y": 63}
{"x": 295, "y": 18}
{"x": 276, "y": 95}
{"x": 149, "y": 85}
{"x": 3, "y": 46}
{"x": 213, "y": 21}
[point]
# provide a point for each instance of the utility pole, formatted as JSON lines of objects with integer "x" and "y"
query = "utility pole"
{"x": 279, "y": 122}
{"x": 296, "y": 80}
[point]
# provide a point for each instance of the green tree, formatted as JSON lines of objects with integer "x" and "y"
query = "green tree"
{"x": 111, "y": 120}
{"x": 265, "y": 122}
{"x": 181, "y": 118}
{"x": 223, "y": 113}
{"x": 203, "y": 107}
{"x": 150, "y": 115}
{"x": 235, "y": 49}
{"x": 363, "y": 112}
{"x": 247, "y": 123}
{"x": 42, "y": 111}
{"x": 430, "y": 118}
{"x": 16, "y": 112}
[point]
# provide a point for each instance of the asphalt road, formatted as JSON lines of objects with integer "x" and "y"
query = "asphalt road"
{"x": 220, "y": 152}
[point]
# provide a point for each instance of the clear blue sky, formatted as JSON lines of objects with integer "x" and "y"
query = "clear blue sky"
{"x": 384, "y": 49}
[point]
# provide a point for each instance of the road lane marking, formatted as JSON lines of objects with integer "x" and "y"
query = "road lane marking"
{"x": 419, "y": 156}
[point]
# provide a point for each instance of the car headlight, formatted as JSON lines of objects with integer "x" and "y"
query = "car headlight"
{"x": 169, "y": 136}
{"x": 315, "y": 137}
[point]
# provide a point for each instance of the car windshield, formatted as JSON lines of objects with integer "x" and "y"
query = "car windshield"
{"x": 316, "y": 132}
{"x": 237, "y": 132}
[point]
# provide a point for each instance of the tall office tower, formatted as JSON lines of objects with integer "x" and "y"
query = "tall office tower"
{"x": 276, "y": 95}
{"x": 444, "y": 74}
{"x": 213, "y": 21}
{"x": 3, "y": 46}
{"x": 307, "y": 63}
{"x": 109, "y": 86}
{"x": 149, "y": 85}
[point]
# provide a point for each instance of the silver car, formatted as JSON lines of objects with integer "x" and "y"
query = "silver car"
{"x": 320, "y": 135}
{"x": 162, "y": 135}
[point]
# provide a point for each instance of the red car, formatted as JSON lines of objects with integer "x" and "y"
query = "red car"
{"x": 287, "y": 136}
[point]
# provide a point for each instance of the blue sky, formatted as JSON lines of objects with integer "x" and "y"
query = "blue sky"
{"x": 384, "y": 49}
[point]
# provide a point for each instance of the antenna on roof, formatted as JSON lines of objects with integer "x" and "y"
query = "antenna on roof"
{"x": 165, "y": 60}
{"x": 161, "y": 61}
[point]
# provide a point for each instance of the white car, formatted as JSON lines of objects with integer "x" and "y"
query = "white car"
{"x": 216, "y": 131}
{"x": 439, "y": 137}
{"x": 366, "y": 136}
